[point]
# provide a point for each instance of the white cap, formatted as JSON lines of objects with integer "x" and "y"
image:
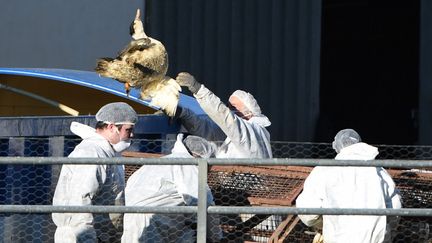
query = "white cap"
{"x": 117, "y": 113}
{"x": 345, "y": 138}
{"x": 200, "y": 146}
{"x": 249, "y": 101}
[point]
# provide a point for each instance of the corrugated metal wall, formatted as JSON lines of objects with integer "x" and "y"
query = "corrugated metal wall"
{"x": 268, "y": 47}
{"x": 63, "y": 33}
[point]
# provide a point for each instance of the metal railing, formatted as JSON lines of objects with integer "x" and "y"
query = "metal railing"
{"x": 202, "y": 209}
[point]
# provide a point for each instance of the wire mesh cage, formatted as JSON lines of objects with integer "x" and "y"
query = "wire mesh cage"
{"x": 230, "y": 185}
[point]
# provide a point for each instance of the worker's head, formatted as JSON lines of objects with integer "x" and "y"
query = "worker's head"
{"x": 345, "y": 138}
{"x": 199, "y": 147}
{"x": 244, "y": 104}
{"x": 115, "y": 121}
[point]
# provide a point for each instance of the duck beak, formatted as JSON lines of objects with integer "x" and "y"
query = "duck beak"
{"x": 138, "y": 15}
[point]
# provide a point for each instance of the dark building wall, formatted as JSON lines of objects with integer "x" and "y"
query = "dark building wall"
{"x": 370, "y": 70}
{"x": 425, "y": 97}
{"x": 269, "y": 48}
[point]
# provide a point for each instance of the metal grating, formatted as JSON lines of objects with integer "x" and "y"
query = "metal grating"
{"x": 257, "y": 186}
{"x": 280, "y": 186}
{"x": 260, "y": 185}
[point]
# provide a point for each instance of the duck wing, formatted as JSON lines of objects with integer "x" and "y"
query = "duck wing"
{"x": 135, "y": 45}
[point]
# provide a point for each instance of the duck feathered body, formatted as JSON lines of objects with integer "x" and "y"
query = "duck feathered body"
{"x": 143, "y": 64}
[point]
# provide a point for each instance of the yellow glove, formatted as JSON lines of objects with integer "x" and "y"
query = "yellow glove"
{"x": 319, "y": 238}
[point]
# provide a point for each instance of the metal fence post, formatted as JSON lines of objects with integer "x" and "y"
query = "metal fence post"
{"x": 202, "y": 201}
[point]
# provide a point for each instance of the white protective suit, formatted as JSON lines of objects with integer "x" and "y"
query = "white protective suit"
{"x": 351, "y": 187}
{"x": 242, "y": 138}
{"x": 84, "y": 185}
{"x": 165, "y": 185}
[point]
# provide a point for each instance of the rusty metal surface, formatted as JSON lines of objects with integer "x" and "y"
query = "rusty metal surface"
{"x": 140, "y": 154}
{"x": 285, "y": 229}
{"x": 280, "y": 186}
{"x": 261, "y": 185}
{"x": 415, "y": 187}
{"x": 280, "y": 229}
{"x": 257, "y": 186}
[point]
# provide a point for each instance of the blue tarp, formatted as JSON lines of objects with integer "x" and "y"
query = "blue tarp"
{"x": 37, "y": 126}
{"x": 94, "y": 81}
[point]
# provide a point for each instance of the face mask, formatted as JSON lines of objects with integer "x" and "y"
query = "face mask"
{"x": 122, "y": 145}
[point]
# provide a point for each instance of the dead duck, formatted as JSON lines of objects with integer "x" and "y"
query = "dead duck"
{"x": 143, "y": 64}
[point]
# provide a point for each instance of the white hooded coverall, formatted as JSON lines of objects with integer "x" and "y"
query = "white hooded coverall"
{"x": 85, "y": 185}
{"x": 165, "y": 185}
{"x": 243, "y": 138}
{"x": 350, "y": 187}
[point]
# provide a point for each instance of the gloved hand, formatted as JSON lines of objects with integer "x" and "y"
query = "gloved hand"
{"x": 187, "y": 80}
{"x": 319, "y": 238}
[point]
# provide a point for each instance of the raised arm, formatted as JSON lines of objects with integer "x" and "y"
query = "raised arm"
{"x": 247, "y": 137}
{"x": 201, "y": 126}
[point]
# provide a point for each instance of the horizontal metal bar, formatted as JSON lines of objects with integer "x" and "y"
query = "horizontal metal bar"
{"x": 188, "y": 161}
{"x": 96, "y": 209}
{"x": 324, "y": 162}
{"x": 112, "y": 161}
{"x": 423, "y": 212}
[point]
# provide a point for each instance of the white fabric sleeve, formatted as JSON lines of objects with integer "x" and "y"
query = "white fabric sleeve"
{"x": 391, "y": 193}
{"x": 186, "y": 181}
{"x": 392, "y": 199}
{"x": 311, "y": 197}
{"x": 396, "y": 200}
{"x": 238, "y": 130}
{"x": 77, "y": 186}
